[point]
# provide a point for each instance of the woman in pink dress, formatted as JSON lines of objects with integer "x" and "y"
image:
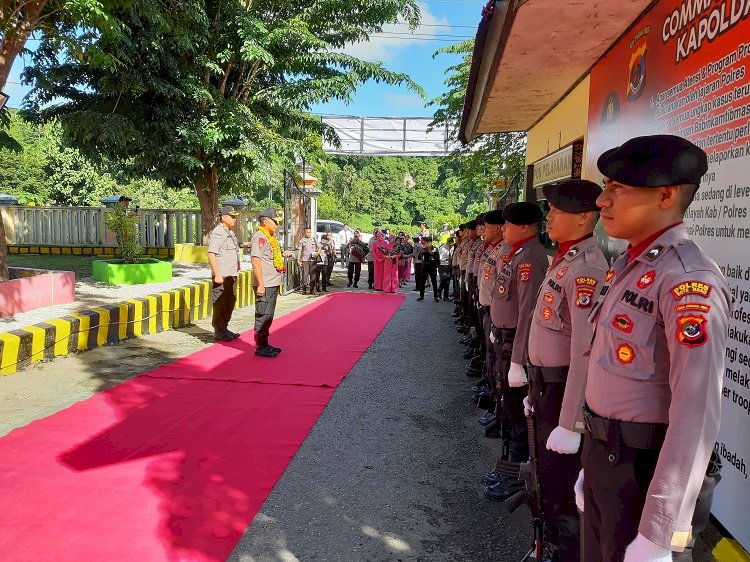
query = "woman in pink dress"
{"x": 380, "y": 249}
{"x": 390, "y": 269}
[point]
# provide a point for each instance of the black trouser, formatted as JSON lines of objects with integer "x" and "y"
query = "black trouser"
{"x": 223, "y": 299}
{"x": 456, "y": 281}
{"x": 615, "y": 493}
{"x": 445, "y": 280}
{"x": 354, "y": 269}
{"x": 557, "y": 473}
{"x": 490, "y": 359}
{"x": 510, "y": 404}
{"x": 265, "y": 307}
{"x": 326, "y": 270}
{"x": 425, "y": 272}
{"x": 417, "y": 273}
{"x": 309, "y": 275}
{"x": 370, "y": 273}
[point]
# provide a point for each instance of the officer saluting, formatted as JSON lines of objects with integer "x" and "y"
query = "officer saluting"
{"x": 657, "y": 360}
{"x": 559, "y": 338}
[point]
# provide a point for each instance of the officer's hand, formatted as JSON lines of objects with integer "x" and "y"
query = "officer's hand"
{"x": 643, "y": 550}
{"x": 218, "y": 279}
{"x": 528, "y": 409}
{"x": 287, "y": 253}
{"x": 516, "y": 376}
{"x": 578, "y": 489}
{"x": 260, "y": 291}
{"x": 564, "y": 441}
{"x": 299, "y": 263}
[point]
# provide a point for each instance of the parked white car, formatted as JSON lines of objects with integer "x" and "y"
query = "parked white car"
{"x": 335, "y": 227}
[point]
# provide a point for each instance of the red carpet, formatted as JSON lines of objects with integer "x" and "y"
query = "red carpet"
{"x": 174, "y": 464}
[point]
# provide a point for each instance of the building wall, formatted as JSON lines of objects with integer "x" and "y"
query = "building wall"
{"x": 566, "y": 123}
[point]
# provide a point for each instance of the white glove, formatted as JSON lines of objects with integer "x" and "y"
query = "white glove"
{"x": 564, "y": 441}
{"x": 528, "y": 409}
{"x": 578, "y": 489}
{"x": 516, "y": 376}
{"x": 466, "y": 285}
{"x": 492, "y": 337}
{"x": 643, "y": 550}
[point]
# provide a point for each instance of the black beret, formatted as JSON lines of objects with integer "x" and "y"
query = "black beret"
{"x": 461, "y": 227}
{"x": 480, "y": 218}
{"x": 654, "y": 161}
{"x": 471, "y": 225}
{"x": 573, "y": 196}
{"x": 494, "y": 217}
{"x": 522, "y": 213}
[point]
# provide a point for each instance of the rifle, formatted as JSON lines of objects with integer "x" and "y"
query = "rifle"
{"x": 532, "y": 492}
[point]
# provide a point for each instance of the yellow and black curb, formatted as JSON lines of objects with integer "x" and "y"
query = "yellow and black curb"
{"x": 729, "y": 550}
{"x": 105, "y": 325}
{"x": 84, "y": 250}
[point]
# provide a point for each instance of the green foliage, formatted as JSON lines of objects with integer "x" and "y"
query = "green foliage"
{"x": 125, "y": 227}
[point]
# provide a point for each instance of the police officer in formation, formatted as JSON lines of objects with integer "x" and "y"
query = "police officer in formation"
{"x": 559, "y": 339}
{"x": 643, "y": 341}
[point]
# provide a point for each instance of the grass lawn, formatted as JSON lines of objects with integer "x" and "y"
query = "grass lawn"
{"x": 81, "y": 265}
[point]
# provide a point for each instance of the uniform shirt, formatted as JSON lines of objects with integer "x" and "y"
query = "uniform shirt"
{"x": 496, "y": 253}
{"x": 370, "y": 255}
{"x": 445, "y": 255}
{"x": 457, "y": 249}
{"x": 560, "y": 333}
{"x": 260, "y": 247}
{"x": 464, "y": 259}
{"x": 306, "y": 248}
{"x": 224, "y": 245}
{"x": 417, "y": 252}
{"x": 479, "y": 256}
{"x": 473, "y": 247}
{"x": 431, "y": 258}
{"x": 518, "y": 279}
{"x": 657, "y": 356}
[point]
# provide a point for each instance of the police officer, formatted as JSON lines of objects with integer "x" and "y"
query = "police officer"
{"x": 657, "y": 361}
{"x": 518, "y": 278}
{"x": 224, "y": 260}
{"x": 559, "y": 338}
{"x": 308, "y": 256}
{"x": 430, "y": 263}
{"x": 268, "y": 268}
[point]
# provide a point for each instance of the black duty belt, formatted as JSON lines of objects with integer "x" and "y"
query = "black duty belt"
{"x": 486, "y": 309}
{"x": 548, "y": 374}
{"x": 632, "y": 434}
{"x": 504, "y": 334}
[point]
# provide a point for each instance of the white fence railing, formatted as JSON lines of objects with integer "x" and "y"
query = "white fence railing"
{"x": 84, "y": 226}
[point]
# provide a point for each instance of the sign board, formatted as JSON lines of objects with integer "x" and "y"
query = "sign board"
{"x": 684, "y": 69}
{"x": 555, "y": 167}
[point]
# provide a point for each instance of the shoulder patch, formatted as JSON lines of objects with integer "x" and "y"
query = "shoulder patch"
{"x": 691, "y": 288}
{"x": 586, "y": 281}
{"x": 654, "y": 252}
{"x": 691, "y": 330}
{"x": 692, "y": 306}
{"x": 261, "y": 242}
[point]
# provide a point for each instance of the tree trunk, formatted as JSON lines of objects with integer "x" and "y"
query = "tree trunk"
{"x": 207, "y": 189}
{"x": 14, "y": 39}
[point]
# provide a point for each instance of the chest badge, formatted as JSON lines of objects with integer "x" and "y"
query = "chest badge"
{"x": 646, "y": 279}
{"x": 561, "y": 272}
{"x": 261, "y": 242}
{"x": 549, "y": 298}
{"x": 654, "y": 252}
{"x": 691, "y": 330}
{"x": 546, "y": 313}
{"x": 623, "y": 322}
{"x": 610, "y": 276}
{"x": 625, "y": 354}
{"x": 501, "y": 289}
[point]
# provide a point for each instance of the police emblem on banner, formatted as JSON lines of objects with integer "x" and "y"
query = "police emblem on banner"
{"x": 691, "y": 330}
{"x": 637, "y": 65}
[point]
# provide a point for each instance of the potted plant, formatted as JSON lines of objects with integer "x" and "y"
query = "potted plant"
{"x": 131, "y": 268}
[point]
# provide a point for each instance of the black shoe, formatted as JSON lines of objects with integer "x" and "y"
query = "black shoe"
{"x": 304, "y": 291}
{"x": 468, "y": 353}
{"x": 486, "y": 402}
{"x": 465, "y": 339}
{"x": 420, "y": 299}
{"x": 325, "y": 290}
{"x": 223, "y": 337}
{"x": 276, "y": 349}
{"x": 349, "y": 284}
{"x": 355, "y": 286}
{"x": 493, "y": 477}
{"x": 487, "y": 419}
{"x": 369, "y": 286}
{"x": 456, "y": 314}
{"x": 464, "y": 330}
{"x": 502, "y": 490}
{"x": 492, "y": 429}
{"x": 437, "y": 299}
{"x": 480, "y": 386}
{"x": 232, "y": 335}
{"x": 266, "y": 351}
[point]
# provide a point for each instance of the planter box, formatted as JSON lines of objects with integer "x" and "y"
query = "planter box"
{"x": 149, "y": 270}
{"x": 35, "y": 288}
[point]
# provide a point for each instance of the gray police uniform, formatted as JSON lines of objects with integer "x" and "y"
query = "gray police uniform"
{"x": 559, "y": 339}
{"x": 654, "y": 398}
{"x": 224, "y": 245}
{"x": 308, "y": 255}
{"x": 496, "y": 254}
{"x": 518, "y": 278}
{"x": 265, "y": 306}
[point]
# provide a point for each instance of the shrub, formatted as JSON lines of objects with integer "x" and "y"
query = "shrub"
{"x": 124, "y": 225}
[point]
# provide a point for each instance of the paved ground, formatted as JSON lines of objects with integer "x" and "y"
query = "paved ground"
{"x": 90, "y": 293}
{"x": 392, "y": 470}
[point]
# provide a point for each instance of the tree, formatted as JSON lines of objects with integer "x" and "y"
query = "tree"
{"x": 488, "y": 159}
{"x": 198, "y": 92}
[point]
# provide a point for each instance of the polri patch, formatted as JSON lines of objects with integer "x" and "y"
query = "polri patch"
{"x": 646, "y": 279}
{"x": 625, "y": 354}
{"x": 623, "y": 322}
{"x": 691, "y": 288}
{"x": 691, "y": 330}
